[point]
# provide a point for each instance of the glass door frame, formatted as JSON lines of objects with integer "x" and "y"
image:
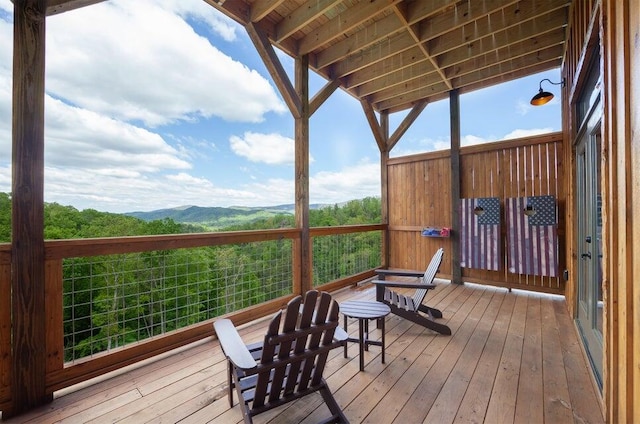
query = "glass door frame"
{"x": 589, "y": 307}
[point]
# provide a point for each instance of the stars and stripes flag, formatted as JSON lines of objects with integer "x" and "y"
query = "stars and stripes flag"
{"x": 532, "y": 235}
{"x": 480, "y": 233}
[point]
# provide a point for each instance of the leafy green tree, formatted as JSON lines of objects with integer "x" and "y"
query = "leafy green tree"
{"x": 118, "y": 299}
{"x": 5, "y": 217}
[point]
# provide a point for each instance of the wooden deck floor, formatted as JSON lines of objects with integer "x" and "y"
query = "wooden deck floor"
{"x": 512, "y": 358}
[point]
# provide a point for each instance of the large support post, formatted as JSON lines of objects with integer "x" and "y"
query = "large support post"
{"x": 302, "y": 173}
{"x": 28, "y": 388}
{"x": 454, "y": 116}
{"x": 384, "y": 185}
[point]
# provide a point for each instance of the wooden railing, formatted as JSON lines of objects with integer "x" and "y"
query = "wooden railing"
{"x": 60, "y": 374}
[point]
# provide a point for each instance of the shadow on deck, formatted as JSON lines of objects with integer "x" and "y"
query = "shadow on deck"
{"x": 513, "y": 357}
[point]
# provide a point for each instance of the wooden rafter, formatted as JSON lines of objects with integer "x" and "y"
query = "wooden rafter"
{"x": 344, "y": 21}
{"x": 261, "y": 8}
{"x": 302, "y": 16}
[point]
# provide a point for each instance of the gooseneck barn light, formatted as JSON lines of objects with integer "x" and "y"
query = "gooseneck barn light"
{"x": 544, "y": 97}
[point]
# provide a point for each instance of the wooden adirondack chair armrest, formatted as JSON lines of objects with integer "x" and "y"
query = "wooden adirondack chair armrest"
{"x": 232, "y": 345}
{"x": 398, "y": 273}
{"x": 403, "y": 284}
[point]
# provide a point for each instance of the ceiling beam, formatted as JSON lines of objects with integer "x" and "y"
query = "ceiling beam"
{"x": 301, "y": 17}
{"x": 419, "y": 70}
{"x": 460, "y": 15}
{"x": 507, "y": 37}
{"x": 55, "y": 7}
{"x": 391, "y": 47}
{"x": 407, "y": 91}
{"x": 508, "y": 67}
{"x": 412, "y": 32}
{"x": 403, "y": 60}
{"x": 238, "y": 10}
{"x": 343, "y": 23}
{"x": 261, "y": 8}
{"x": 521, "y": 15}
{"x": 547, "y": 41}
{"x": 380, "y": 30}
{"x": 432, "y": 94}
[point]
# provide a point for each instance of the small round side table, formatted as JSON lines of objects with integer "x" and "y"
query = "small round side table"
{"x": 364, "y": 311}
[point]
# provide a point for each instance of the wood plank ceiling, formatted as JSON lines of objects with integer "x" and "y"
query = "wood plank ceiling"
{"x": 395, "y": 54}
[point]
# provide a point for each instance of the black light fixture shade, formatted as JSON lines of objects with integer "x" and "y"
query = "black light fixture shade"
{"x": 544, "y": 97}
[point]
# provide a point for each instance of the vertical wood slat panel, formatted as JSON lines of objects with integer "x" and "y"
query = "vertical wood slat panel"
{"x": 621, "y": 206}
{"x": 634, "y": 152}
{"x": 516, "y": 168}
{"x": 424, "y": 202}
{"x": 54, "y": 310}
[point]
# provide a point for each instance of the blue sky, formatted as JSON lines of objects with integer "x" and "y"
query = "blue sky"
{"x": 162, "y": 103}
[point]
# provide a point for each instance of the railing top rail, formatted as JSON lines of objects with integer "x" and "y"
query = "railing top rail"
{"x": 554, "y": 137}
{"x": 345, "y": 229}
{"x": 59, "y": 249}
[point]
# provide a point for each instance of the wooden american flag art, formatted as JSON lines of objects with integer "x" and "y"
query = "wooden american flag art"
{"x": 532, "y": 235}
{"x": 480, "y": 233}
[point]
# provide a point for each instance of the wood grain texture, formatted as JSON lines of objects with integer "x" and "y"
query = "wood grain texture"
{"x": 472, "y": 375}
{"x": 421, "y": 196}
{"x": 27, "y": 216}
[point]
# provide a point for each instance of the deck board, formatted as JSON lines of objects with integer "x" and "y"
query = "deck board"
{"x": 476, "y": 399}
{"x": 529, "y": 403}
{"x": 512, "y": 357}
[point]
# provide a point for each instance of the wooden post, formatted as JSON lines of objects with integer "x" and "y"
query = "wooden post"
{"x": 454, "y": 116}
{"x": 28, "y": 387}
{"x": 302, "y": 173}
{"x": 384, "y": 194}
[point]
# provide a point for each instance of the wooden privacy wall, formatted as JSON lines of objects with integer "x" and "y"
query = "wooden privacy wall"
{"x": 419, "y": 196}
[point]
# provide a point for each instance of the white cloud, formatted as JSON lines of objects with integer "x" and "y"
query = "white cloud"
{"x": 130, "y": 191}
{"x": 470, "y": 140}
{"x": 272, "y": 149}
{"x": 201, "y": 11}
{"x": 102, "y": 83}
{"x": 6, "y": 5}
{"x": 354, "y": 182}
{"x": 527, "y": 133}
{"x": 155, "y": 68}
{"x": 422, "y": 146}
{"x": 79, "y": 138}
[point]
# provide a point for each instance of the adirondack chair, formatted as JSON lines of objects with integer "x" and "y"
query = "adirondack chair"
{"x": 409, "y": 307}
{"x": 289, "y": 363}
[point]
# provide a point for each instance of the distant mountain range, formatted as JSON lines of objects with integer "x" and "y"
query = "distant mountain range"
{"x": 217, "y": 217}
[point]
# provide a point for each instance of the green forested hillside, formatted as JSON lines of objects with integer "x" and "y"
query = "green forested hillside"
{"x": 110, "y": 301}
{"x": 67, "y": 222}
{"x": 211, "y": 218}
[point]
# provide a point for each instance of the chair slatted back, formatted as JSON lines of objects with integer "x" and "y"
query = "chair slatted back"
{"x": 294, "y": 356}
{"x": 428, "y": 277}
